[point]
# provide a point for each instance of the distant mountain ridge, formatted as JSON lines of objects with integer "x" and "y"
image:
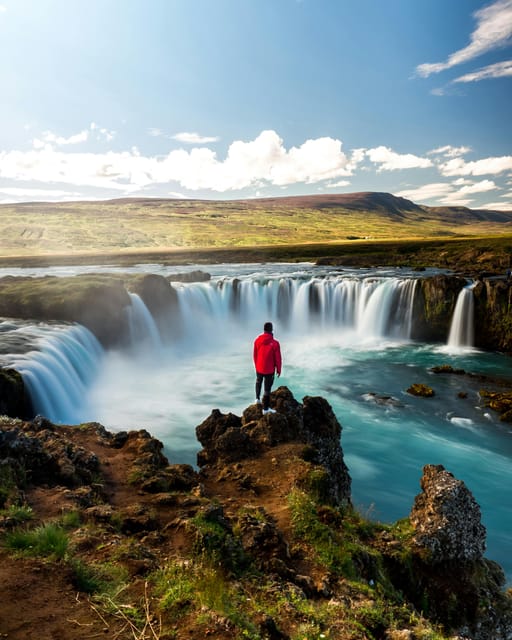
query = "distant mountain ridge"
{"x": 385, "y": 203}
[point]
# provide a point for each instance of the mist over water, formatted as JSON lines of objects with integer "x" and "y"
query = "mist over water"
{"x": 344, "y": 336}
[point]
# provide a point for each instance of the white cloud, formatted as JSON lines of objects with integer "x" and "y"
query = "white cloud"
{"x": 450, "y": 151}
{"x": 478, "y": 187}
{"x": 498, "y": 206}
{"x": 389, "y": 160}
{"x": 497, "y": 70}
{"x": 253, "y": 163}
{"x": 155, "y": 132}
{"x": 426, "y": 191}
{"x": 486, "y": 166}
{"x": 49, "y": 138}
{"x": 494, "y": 30}
{"x": 193, "y": 138}
{"x": 446, "y": 193}
{"x": 3, "y": 8}
{"x": 42, "y": 194}
{"x": 339, "y": 183}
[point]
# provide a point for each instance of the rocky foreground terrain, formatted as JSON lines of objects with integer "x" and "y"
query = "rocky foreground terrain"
{"x": 101, "y": 537}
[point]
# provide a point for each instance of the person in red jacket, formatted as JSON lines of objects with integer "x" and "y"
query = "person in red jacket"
{"x": 267, "y": 361}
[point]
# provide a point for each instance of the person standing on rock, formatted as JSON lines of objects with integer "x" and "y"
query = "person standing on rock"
{"x": 267, "y": 361}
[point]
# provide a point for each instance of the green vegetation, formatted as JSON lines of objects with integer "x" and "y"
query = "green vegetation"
{"x": 46, "y": 540}
{"x": 157, "y": 226}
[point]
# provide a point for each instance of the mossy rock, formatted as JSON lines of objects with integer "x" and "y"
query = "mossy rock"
{"x": 422, "y": 390}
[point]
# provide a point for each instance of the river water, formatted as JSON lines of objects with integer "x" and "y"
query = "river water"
{"x": 344, "y": 335}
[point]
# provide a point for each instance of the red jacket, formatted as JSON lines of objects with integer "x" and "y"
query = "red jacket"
{"x": 267, "y": 354}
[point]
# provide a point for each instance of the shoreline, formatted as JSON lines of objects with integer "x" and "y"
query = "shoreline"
{"x": 466, "y": 255}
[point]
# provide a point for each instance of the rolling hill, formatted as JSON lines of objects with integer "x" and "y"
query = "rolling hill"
{"x": 152, "y": 224}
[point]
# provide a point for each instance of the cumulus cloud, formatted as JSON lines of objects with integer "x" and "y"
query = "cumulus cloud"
{"x": 493, "y": 30}
{"x": 486, "y": 166}
{"x": 264, "y": 160}
{"x": 497, "y": 70}
{"x": 389, "y": 160}
{"x": 193, "y": 138}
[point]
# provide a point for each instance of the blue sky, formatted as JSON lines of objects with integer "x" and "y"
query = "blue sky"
{"x": 224, "y": 99}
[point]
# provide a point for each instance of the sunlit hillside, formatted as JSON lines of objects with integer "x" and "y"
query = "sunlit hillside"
{"x": 152, "y": 224}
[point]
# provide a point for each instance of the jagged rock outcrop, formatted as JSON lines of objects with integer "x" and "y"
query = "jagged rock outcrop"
{"x": 447, "y": 519}
{"x": 227, "y": 438}
{"x": 448, "y": 568}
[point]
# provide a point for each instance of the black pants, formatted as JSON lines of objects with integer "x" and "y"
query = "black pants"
{"x": 268, "y": 380}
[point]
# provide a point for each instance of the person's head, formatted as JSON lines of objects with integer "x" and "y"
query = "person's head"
{"x": 267, "y": 327}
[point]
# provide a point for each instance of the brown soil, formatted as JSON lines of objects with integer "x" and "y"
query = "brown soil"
{"x": 38, "y": 598}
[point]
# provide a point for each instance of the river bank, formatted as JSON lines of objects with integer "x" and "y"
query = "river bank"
{"x": 469, "y": 256}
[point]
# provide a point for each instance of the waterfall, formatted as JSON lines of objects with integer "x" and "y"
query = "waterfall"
{"x": 143, "y": 330}
{"x": 367, "y": 307}
{"x": 461, "y": 329}
{"x": 59, "y": 372}
{"x": 59, "y": 369}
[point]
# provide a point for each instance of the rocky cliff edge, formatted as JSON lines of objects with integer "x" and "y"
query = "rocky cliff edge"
{"x": 102, "y": 537}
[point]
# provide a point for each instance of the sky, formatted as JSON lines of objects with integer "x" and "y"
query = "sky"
{"x": 229, "y": 99}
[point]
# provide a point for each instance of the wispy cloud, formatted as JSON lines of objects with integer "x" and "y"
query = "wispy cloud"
{"x": 455, "y": 193}
{"x": 497, "y": 70}
{"x": 389, "y": 160}
{"x": 493, "y": 31}
{"x": 51, "y": 139}
{"x": 449, "y": 151}
{"x": 498, "y": 206}
{"x": 42, "y": 194}
{"x": 193, "y": 138}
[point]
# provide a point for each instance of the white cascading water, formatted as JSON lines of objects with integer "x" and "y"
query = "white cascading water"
{"x": 462, "y": 325}
{"x": 59, "y": 373}
{"x": 144, "y": 334}
{"x": 368, "y": 308}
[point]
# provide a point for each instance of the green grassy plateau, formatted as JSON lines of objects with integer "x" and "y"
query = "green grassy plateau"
{"x": 360, "y": 227}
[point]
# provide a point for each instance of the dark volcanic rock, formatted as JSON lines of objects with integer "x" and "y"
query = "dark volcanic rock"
{"x": 14, "y": 400}
{"x": 227, "y": 438}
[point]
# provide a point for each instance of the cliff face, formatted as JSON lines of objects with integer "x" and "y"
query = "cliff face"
{"x": 492, "y": 310}
{"x": 493, "y": 314}
{"x": 260, "y": 542}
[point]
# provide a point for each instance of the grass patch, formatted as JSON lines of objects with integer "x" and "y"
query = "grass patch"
{"x": 47, "y": 540}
